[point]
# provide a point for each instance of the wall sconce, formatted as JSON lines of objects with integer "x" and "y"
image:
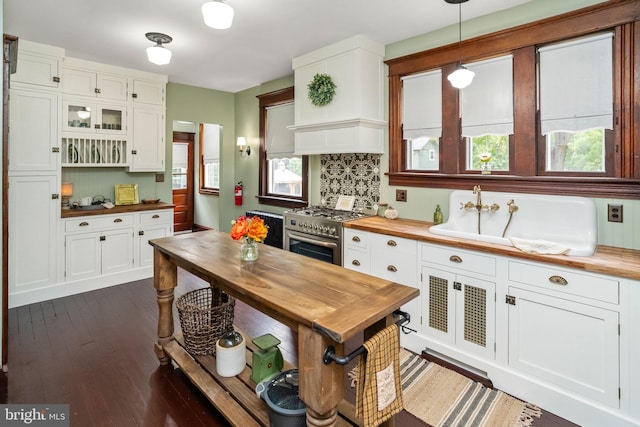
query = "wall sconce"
{"x": 217, "y": 14}
{"x": 158, "y": 54}
{"x": 244, "y": 149}
{"x": 66, "y": 192}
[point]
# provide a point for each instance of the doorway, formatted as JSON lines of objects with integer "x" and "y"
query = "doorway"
{"x": 182, "y": 181}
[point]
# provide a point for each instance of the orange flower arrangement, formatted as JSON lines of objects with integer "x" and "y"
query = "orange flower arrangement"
{"x": 252, "y": 228}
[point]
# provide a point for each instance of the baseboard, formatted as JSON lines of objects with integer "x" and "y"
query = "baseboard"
{"x": 198, "y": 227}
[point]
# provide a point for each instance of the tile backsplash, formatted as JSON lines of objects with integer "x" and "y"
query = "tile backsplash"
{"x": 356, "y": 174}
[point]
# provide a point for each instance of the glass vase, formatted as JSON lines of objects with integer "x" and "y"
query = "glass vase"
{"x": 486, "y": 168}
{"x": 248, "y": 250}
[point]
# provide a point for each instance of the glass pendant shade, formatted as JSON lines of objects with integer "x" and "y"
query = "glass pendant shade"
{"x": 461, "y": 77}
{"x": 217, "y": 15}
{"x": 158, "y": 54}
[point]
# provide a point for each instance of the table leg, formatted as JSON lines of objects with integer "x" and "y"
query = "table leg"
{"x": 321, "y": 386}
{"x": 165, "y": 279}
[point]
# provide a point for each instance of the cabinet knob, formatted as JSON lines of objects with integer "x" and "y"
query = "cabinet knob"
{"x": 355, "y": 262}
{"x": 55, "y": 149}
{"x": 558, "y": 280}
{"x": 355, "y": 239}
{"x": 134, "y": 151}
{"x": 392, "y": 268}
{"x": 455, "y": 258}
{"x": 117, "y": 220}
{"x": 391, "y": 243}
{"x": 55, "y": 196}
{"x": 83, "y": 224}
{"x": 96, "y": 90}
{"x": 103, "y": 238}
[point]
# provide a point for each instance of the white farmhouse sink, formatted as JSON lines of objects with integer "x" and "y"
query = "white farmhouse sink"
{"x": 565, "y": 221}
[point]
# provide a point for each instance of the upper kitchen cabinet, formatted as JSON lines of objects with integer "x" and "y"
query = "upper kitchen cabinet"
{"x": 147, "y": 152}
{"x": 39, "y": 66}
{"x": 352, "y": 120}
{"x": 148, "y": 92}
{"x": 82, "y": 116}
{"x": 95, "y": 85}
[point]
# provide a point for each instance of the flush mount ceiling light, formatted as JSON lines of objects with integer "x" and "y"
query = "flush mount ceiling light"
{"x": 159, "y": 54}
{"x": 217, "y": 14}
{"x": 461, "y": 77}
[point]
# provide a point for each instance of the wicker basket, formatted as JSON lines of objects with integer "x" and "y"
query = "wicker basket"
{"x": 205, "y": 315}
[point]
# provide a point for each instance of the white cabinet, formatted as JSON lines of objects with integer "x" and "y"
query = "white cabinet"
{"x": 80, "y": 115}
{"x": 153, "y": 225}
{"x": 33, "y": 213}
{"x": 355, "y": 253}
{"x": 95, "y": 85}
{"x": 39, "y": 66}
{"x": 33, "y": 131}
{"x": 148, "y": 92}
{"x": 563, "y": 331}
{"x": 147, "y": 142}
{"x": 98, "y": 245}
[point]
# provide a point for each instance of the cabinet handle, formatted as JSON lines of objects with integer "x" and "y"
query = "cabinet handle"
{"x": 83, "y": 224}
{"x": 355, "y": 262}
{"x": 141, "y": 233}
{"x": 455, "y": 258}
{"x": 134, "y": 95}
{"x": 391, "y": 243}
{"x": 117, "y": 220}
{"x": 558, "y": 280}
{"x": 392, "y": 268}
{"x": 56, "y": 79}
{"x": 355, "y": 239}
{"x": 103, "y": 238}
{"x": 156, "y": 216}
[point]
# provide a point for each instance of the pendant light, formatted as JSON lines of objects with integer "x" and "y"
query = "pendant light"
{"x": 217, "y": 14}
{"x": 159, "y": 54}
{"x": 461, "y": 77}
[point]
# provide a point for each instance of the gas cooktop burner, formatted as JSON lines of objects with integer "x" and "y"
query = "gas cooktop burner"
{"x": 328, "y": 213}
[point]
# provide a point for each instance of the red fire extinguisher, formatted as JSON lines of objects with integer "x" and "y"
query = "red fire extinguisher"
{"x": 237, "y": 192}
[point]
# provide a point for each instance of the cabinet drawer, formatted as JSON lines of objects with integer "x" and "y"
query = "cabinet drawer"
{"x": 356, "y": 260}
{"x": 391, "y": 245}
{"x": 459, "y": 259}
{"x": 92, "y": 223}
{"x": 399, "y": 269}
{"x": 567, "y": 281}
{"x": 156, "y": 217}
{"x": 356, "y": 239}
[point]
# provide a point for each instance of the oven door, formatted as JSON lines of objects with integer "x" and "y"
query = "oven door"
{"x": 318, "y": 247}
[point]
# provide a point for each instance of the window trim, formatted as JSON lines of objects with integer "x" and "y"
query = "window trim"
{"x": 278, "y": 97}
{"x": 212, "y": 191}
{"x": 521, "y": 41}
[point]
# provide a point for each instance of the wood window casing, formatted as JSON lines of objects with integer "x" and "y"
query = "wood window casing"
{"x": 623, "y": 163}
{"x": 278, "y": 97}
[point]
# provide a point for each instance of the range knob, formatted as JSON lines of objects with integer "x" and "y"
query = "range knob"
{"x": 332, "y": 231}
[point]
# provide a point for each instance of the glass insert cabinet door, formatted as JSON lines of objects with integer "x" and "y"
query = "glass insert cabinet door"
{"x": 80, "y": 116}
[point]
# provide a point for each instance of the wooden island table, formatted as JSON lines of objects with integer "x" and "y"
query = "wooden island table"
{"x": 326, "y": 305}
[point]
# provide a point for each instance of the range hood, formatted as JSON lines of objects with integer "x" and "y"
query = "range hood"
{"x": 353, "y": 121}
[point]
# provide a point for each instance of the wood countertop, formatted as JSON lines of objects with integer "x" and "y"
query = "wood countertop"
{"x": 293, "y": 289}
{"x": 607, "y": 259}
{"x": 72, "y": 213}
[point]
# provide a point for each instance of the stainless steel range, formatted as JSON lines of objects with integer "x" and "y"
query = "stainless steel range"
{"x": 316, "y": 232}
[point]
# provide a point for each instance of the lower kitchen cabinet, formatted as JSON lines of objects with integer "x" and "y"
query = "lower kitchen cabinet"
{"x": 153, "y": 225}
{"x": 95, "y": 254}
{"x": 459, "y": 310}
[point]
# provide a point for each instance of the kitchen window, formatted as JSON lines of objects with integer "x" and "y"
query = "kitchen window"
{"x": 283, "y": 174}
{"x": 553, "y": 105}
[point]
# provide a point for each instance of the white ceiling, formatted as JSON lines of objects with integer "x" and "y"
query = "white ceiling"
{"x": 266, "y": 34}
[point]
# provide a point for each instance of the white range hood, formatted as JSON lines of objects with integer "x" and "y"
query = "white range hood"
{"x": 353, "y": 122}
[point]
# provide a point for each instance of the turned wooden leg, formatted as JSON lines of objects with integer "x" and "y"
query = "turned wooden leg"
{"x": 321, "y": 386}
{"x": 165, "y": 280}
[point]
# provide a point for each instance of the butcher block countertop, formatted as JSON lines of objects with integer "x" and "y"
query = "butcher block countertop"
{"x": 73, "y": 213}
{"x": 607, "y": 259}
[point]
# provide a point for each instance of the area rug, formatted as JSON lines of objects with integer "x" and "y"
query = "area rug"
{"x": 441, "y": 397}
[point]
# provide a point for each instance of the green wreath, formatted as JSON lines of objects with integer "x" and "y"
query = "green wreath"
{"x": 321, "y": 90}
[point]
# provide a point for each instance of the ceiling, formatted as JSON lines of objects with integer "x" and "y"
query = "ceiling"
{"x": 266, "y": 34}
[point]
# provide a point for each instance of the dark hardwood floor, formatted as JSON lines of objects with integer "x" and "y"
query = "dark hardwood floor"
{"x": 94, "y": 351}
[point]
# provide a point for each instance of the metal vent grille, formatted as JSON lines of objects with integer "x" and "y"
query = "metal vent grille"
{"x": 475, "y": 315}
{"x": 438, "y": 303}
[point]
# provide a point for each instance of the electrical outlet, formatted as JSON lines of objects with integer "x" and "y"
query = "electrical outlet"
{"x": 614, "y": 213}
{"x": 401, "y": 195}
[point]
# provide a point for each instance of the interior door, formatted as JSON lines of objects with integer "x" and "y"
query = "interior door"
{"x": 182, "y": 181}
